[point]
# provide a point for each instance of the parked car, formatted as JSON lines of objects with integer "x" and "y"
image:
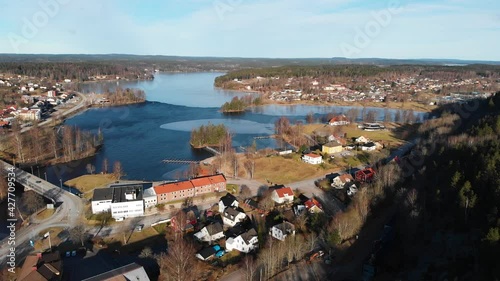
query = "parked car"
{"x": 139, "y": 228}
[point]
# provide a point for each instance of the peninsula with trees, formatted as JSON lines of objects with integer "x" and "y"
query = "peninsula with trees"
{"x": 238, "y": 105}
{"x": 210, "y": 135}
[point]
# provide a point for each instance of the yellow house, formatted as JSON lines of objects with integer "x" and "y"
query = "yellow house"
{"x": 332, "y": 147}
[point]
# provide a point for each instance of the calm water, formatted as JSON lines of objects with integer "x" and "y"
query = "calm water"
{"x": 141, "y": 136}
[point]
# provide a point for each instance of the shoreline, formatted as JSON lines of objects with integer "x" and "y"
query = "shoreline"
{"x": 416, "y": 106}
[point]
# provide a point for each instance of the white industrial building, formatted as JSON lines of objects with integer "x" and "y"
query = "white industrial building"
{"x": 123, "y": 201}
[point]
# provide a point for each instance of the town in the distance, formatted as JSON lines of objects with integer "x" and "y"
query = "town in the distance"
{"x": 249, "y": 140}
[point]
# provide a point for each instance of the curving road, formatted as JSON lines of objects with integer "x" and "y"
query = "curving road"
{"x": 66, "y": 215}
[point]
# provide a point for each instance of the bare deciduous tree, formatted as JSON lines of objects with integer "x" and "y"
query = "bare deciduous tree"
{"x": 32, "y": 201}
{"x": 78, "y": 234}
{"x": 118, "y": 170}
{"x": 179, "y": 263}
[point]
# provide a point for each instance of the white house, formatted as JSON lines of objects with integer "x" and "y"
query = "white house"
{"x": 340, "y": 181}
{"x": 150, "y": 198}
{"x": 231, "y": 216}
{"x": 312, "y": 158}
{"x": 339, "y": 120}
{"x": 282, "y": 195}
{"x": 370, "y": 146}
{"x": 282, "y": 230}
{"x": 245, "y": 242}
{"x": 209, "y": 233}
{"x": 67, "y": 80}
{"x": 362, "y": 140}
{"x": 227, "y": 200}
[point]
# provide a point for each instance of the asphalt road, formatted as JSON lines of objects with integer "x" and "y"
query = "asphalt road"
{"x": 66, "y": 215}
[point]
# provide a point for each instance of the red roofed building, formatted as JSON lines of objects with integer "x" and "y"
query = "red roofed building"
{"x": 313, "y": 206}
{"x": 312, "y": 158}
{"x": 174, "y": 191}
{"x": 339, "y": 120}
{"x": 185, "y": 189}
{"x": 282, "y": 195}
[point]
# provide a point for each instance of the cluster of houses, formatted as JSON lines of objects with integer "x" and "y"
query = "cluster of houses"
{"x": 130, "y": 200}
{"x": 234, "y": 229}
{"x": 36, "y": 100}
{"x": 305, "y": 88}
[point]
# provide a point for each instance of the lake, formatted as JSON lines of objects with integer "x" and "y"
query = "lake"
{"x": 141, "y": 136}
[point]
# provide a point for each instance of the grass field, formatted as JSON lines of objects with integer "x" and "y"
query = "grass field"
{"x": 45, "y": 214}
{"x": 54, "y": 240}
{"x": 281, "y": 170}
{"x": 232, "y": 188}
{"x": 144, "y": 234}
{"x": 386, "y": 136}
{"x": 87, "y": 183}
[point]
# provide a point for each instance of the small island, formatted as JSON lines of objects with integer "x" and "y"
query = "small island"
{"x": 209, "y": 135}
{"x": 239, "y": 105}
{"x": 121, "y": 97}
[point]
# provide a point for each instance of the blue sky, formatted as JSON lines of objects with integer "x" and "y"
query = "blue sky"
{"x": 461, "y": 29}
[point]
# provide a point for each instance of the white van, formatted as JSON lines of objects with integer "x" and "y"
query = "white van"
{"x": 120, "y": 219}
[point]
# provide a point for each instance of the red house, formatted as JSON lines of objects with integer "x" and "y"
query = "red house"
{"x": 365, "y": 175}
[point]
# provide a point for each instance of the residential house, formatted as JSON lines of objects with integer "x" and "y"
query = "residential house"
{"x": 312, "y": 158}
{"x": 282, "y": 195}
{"x": 232, "y": 216}
{"x": 227, "y": 200}
{"x": 340, "y": 181}
{"x": 245, "y": 242}
{"x": 208, "y": 184}
{"x": 42, "y": 267}
{"x": 209, "y": 252}
{"x": 282, "y": 230}
{"x": 339, "y": 120}
{"x": 331, "y": 177}
{"x": 131, "y": 271}
{"x": 361, "y": 139}
{"x": 365, "y": 175}
{"x": 284, "y": 151}
{"x": 209, "y": 233}
{"x": 332, "y": 147}
{"x": 313, "y": 206}
{"x": 206, "y": 253}
{"x": 369, "y": 146}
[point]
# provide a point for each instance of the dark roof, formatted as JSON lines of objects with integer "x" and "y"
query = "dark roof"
{"x": 252, "y": 203}
{"x": 206, "y": 253}
{"x": 276, "y": 186}
{"x": 214, "y": 228}
{"x": 228, "y": 199}
{"x": 303, "y": 198}
{"x": 248, "y": 235}
{"x": 332, "y": 176}
{"x": 120, "y": 191}
{"x": 102, "y": 194}
{"x": 230, "y": 211}
{"x": 115, "y": 272}
{"x": 285, "y": 227}
{"x": 369, "y": 144}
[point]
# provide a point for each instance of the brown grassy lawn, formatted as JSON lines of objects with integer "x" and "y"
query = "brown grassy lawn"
{"x": 87, "y": 183}
{"x": 45, "y": 214}
{"x": 395, "y": 137}
{"x": 145, "y": 233}
{"x": 54, "y": 240}
{"x": 281, "y": 170}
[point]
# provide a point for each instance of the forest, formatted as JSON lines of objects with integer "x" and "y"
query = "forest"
{"x": 125, "y": 96}
{"x": 240, "y": 104}
{"x": 209, "y": 135}
{"x": 453, "y": 176}
{"x": 356, "y": 71}
{"x": 47, "y": 145}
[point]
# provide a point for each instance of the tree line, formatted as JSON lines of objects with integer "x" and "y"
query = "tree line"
{"x": 209, "y": 135}
{"x": 125, "y": 96}
{"x": 51, "y": 145}
{"x": 240, "y": 104}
